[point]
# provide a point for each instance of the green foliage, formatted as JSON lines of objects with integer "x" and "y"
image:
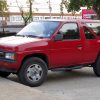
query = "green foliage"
{"x": 75, "y": 5}
{"x": 92, "y": 4}
{"x": 3, "y": 7}
{"x": 3, "y": 10}
{"x": 26, "y": 15}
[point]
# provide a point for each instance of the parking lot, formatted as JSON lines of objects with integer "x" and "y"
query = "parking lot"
{"x": 79, "y": 84}
{"x": 10, "y": 90}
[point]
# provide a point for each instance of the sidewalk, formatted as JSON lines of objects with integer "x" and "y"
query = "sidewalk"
{"x": 10, "y": 90}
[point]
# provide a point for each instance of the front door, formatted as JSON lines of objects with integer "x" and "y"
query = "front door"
{"x": 68, "y": 51}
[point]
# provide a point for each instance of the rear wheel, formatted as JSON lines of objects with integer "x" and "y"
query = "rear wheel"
{"x": 33, "y": 72}
{"x": 96, "y": 67}
{"x": 4, "y": 74}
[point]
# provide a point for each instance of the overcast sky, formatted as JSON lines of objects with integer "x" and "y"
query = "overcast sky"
{"x": 38, "y": 5}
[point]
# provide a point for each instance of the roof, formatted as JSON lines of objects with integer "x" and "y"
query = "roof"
{"x": 91, "y": 20}
{"x": 45, "y": 14}
{"x": 70, "y": 20}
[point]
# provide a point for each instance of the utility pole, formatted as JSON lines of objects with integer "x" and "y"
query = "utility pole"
{"x": 2, "y": 14}
{"x": 61, "y": 8}
{"x": 50, "y": 8}
{"x": 30, "y": 7}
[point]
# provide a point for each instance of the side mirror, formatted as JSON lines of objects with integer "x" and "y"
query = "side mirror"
{"x": 58, "y": 37}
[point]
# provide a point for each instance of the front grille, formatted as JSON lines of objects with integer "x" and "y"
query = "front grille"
{"x": 2, "y": 54}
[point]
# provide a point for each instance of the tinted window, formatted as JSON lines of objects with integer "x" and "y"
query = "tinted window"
{"x": 95, "y": 27}
{"x": 88, "y": 34}
{"x": 70, "y": 31}
{"x": 39, "y": 29}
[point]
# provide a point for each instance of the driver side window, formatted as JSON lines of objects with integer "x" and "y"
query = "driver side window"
{"x": 70, "y": 31}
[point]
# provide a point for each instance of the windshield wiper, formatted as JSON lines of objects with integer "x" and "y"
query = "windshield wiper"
{"x": 20, "y": 35}
{"x": 33, "y": 36}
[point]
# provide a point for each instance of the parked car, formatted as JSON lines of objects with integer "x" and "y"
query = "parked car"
{"x": 50, "y": 45}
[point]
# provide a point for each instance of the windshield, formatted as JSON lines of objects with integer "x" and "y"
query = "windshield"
{"x": 95, "y": 27}
{"x": 42, "y": 29}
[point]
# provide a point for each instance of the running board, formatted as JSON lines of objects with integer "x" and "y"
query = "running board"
{"x": 67, "y": 68}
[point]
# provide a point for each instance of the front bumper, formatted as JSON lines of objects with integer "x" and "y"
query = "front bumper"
{"x": 8, "y": 66}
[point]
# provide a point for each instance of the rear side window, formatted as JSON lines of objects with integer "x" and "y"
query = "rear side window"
{"x": 70, "y": 31}
{"x": 95, "y": 27}
{"x": 88, "y": 34}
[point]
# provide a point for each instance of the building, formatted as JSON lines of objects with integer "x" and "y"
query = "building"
{"x": 41, "y": 9}
{"x": 16, "y": 19}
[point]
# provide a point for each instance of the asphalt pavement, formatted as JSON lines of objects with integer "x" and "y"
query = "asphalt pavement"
{"x": 79, "y": 84}
{"x": 10, "y": 90}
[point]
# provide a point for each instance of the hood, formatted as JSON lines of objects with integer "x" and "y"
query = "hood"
{"x": 13, "y": 41}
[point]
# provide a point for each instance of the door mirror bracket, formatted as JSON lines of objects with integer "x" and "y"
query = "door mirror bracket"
{"x": 58, "y": 37}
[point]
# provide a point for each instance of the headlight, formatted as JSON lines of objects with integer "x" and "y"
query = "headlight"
{"x": 10, "y": 56}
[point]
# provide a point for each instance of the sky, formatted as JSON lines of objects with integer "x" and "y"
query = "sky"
{"x": 38, "y": 5}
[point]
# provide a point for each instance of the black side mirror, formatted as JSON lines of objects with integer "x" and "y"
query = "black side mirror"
{"x": 58, "y": 37}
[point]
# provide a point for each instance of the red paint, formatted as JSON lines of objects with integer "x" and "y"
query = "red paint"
{"x": 87, "y": 14}
{"x": 59, "y": 53}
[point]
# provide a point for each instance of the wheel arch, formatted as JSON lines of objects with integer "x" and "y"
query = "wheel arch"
{"x": 42, "y": 56}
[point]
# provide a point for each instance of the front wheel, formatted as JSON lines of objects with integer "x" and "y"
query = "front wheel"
{"x": 33, "y": 72}
{"x": 96, "y": 67}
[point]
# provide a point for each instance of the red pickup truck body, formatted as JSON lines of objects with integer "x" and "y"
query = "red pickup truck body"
{"x": 55, "y": 53}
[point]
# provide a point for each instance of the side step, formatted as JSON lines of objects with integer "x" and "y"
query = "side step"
{"x": 67, "y": 68}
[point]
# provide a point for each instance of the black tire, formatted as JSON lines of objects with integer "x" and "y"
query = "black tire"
{"x": 96, "y": 67}
{"x": 4, "y": 74}
{"x": 29, "y": 67}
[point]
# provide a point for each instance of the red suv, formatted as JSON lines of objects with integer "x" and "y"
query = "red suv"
{"x": 50, "y": 45}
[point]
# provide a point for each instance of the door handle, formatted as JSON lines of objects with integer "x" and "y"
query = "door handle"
{"x": 79, "y": 47}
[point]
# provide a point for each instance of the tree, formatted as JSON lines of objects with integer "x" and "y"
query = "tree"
{"x": 96, "y": 7}
{"x": 61, "y": 8}
{"x": 62, "y": 4}
{"x": 27, "y": 16}
{"x": 3, "y": 10}
{"x": 75, "y": 5}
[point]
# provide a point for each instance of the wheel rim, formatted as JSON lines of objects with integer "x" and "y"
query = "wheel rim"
{"x": 34, "y": 72}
